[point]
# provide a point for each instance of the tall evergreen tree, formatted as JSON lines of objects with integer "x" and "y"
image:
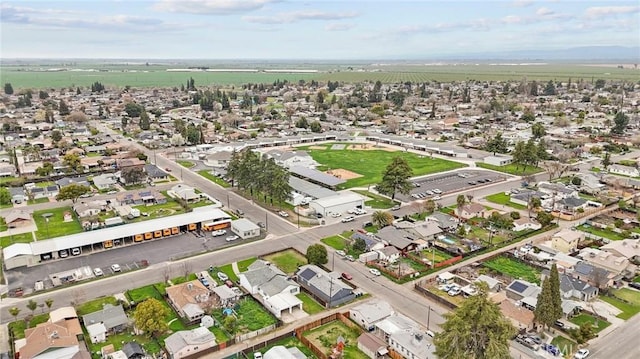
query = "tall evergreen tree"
{"x": 556, "y": 298}
{"x": 476, "y": 329}
{"x": 63, "y": 109}
{"x": 8, "y": 89}
{"x": 144, "y": 123}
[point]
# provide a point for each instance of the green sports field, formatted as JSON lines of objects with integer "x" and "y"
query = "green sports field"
{"x": 371, "y": 163}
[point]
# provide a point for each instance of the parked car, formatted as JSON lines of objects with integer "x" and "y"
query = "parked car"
{"x": 350, "y": 258}
{"x": 395, "y": 208}
{"x": 341, "y": 253}
{"x": 455, "y": 291}
{"x": 219, "y": 232}
{"x": 581, "y": 354}
{"x": 167, "y": 169}
{"x": 335, "y": 214}
{"x": 348, "y": 219}
{"x": 231, "y": 238}
{"x": 75, "y": 251}
{"x": 98, "y": 272}
{"x": 374, "y": 271}
{"x": 552, "y": 349}
{"x": 283, "y": 214}
{"x": 222, "y": 276}
{"x": 257, "y": 355}
{"x": 261, "y": 225}
{"x": 635, "y": 285}
{"x": 116, "y": 268}
{"x": 347, "y": 276}
{"x": 436, "y": 198}
{"x": 63, "y": 253}
{"x": 559, "y": 324}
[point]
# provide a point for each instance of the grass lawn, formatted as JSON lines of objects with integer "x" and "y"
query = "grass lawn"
{"x": 504, "y": 199}
{"x": 140, "y": 294}
{"x": 217, "y": 180}
{"x": 376, "y": 200}
{"x": 598, "y": 324}
{"x": 628, "y": 310}
{"x": 187, "y": 164}
{"x": 514, "y": 269}
{"x": 220, "y": 334}
{"x": 371, "y": 163}
{"x": 637, "y": 279}
{"x": 181, "y": 279}
{"x": 38, "y": 200}
{"x": 19, "y": 326}
{"x": 149, "y": 344}
{"x": 288, "y": 261}
{"x": 170, "y": 208}
{"x": 95, "y": 305}
{"x": 16, "y": 238}
{"x": 605, "y": 233}
{"x": 287, "y": 342}
{"x": 437, "y": 256}
{"x": 566, "y": 345}
{"x": 251, "y": 316}
{"x": 630, "y": 295}
{"x": 228, "y": 270}
{"x": 511, "y": 168}
{"x": 309, "y": 304}
{"x": 244, "y": 264}
{"x": 325, "y": 336}
{"x": 336, "y": 242}
{"x": 56, "y": 226}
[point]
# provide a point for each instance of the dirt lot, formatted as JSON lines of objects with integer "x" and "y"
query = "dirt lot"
{"x": 369, "y": 146}
{"x": 343, "y": 174}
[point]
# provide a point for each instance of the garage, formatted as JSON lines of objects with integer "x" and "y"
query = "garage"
{"x": 339, "y": 203}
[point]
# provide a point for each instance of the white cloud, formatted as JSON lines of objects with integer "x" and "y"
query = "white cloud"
{"x": 522, "y": 3}
{"x": 211, "y": 7}
{"x": 339, "y": 26}
{"x": 543, "y": 11}
{"x": 295, "y": 16}
{"x": 513, "y": 19}
{"x": 604, "y": 11}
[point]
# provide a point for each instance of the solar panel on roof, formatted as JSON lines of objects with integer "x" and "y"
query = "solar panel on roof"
{"x": 518, "y": 287}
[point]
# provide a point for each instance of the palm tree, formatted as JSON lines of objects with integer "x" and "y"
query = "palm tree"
{"x": 382, "y": 218}
{"x": 461, "y": 200}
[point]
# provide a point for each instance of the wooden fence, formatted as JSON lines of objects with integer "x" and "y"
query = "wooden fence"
{"x": 343, "y": 317}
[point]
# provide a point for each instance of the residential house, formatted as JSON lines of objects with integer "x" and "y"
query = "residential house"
{"x": 290, "y": 159}
{"x": 471, "y": 210}
{"x": 125, "y": 163}
{"x": 65, "y": 181}
{"x": 427, "y": 230}
{"x": 412, "y": 345}
{"x": 493, "y": 284}
{"x": 110, "y": 319}
{"x": 389, "y": 254}
{"x": 594, "y": 276}
{"x": 628, "y": 248}
{"x": 607, "y": 260}
{"x": 520, "y": 289}
{"x": 526, "y": 223}
{"x": 400, "y": 239}
{"x": 395, "y": 323}
{"x": 524, "y": 196}
{"x": 92, "y": 208}
{"x": 105, "y": 181}
{"x": 624, "y": 170}
{"x": 226, "y": 296}
{"x": 282, "y": 352}
{"x": 566, "y": 241}
{"x": 139, "y": 198}
{"x": 245, "y": 228}
{"x": 57, "y": 338}
{"x": 369, "y": 313}
{"x": 589, "y": 183}
{"x": 218, "y": 159}
{"x": 271, "y": 287}
{"x": 372, "y": 346}
{"x": 184, "y": 192}
{"x": 18, "y": 219}
{"x": 571, "y": 204}
{"x": 573, "y": 288}
{"x": 371, "y": 243}
{"x": 446, "y": 222}
{"x": 133, "y": 350}
{"x": 557, "y": 190}
{"x": 155, "y": 174}
{"x": 190, "y": 300}
{"x": 498, "y": 160}
{"x": 7, "y": 170}
{"x": 186, "y": 343}
{"x": 323, "y": 286}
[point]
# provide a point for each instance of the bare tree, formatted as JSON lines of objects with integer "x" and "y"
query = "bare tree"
{"x": 166, "y": 273}
{"x": 186, "y": 268}
{"x": 554, "y": 169}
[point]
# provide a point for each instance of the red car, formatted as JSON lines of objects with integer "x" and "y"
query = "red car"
{"x": 167, "y": 169}
{"x": 347, "y": 276}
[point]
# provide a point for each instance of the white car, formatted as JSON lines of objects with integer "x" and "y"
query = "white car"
{"x": 219, "y": 232}
{"x": 341, "y": 253}
{"x": 231, "y": 238}
{"x": 257, "y": 355}
{"x": 336, "y": 214}
{"x": 436, "y": 198}
{"x": 359, "y": 211}
{"x": 222, "y": 276}
{"x": 98, "y": 272}
{"x": 348, "y": 219}
{"x": 116, "y": 268}
{"x": 374, "y": 271}
{"x": 283, "y": 214}
{"x": 581, "y": 354}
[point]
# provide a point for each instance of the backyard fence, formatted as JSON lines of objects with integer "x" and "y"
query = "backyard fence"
{"x": 319, "y": 353}
{"x": 255, "y": 333}
{"x": 448, "y": 262}
{"x": 424, "y": 291}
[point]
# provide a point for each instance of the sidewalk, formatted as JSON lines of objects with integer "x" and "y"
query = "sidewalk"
{"x": 4, "y": 338}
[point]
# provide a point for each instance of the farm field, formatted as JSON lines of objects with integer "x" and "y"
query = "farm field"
{"x": 371, "y": 163}
{"x": 139, "y": 75}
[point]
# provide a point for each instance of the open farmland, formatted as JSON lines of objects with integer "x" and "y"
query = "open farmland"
{"x": 139, "y": 75}
{"x": 371, "y": 163}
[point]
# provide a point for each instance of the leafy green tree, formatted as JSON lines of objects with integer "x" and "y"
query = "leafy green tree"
{"x": 72, "y": 161}
{"x": 541, "y": 151}
{"x": 32, "y": 305}
{"x": 56, "y": 135}
{"x": 538, "y": 130}
{"x": 5, "y": 196}
{"x": 63, "y": 109}
{"x": 48, "y": 303}
{"x": 550, "y": 89}
{"x": 497, "y": 144}
{"x": 461, "y": 200}
{"x": 132, "y": 175}
{"x": 620, "y": 122}
{"x": 317, "y": 254}
{"x": 519, "y": 154}
{"x": 315, "y": 126}
{"x": 302, "y": 123}
{"x": 382, "y": 218}
{"x": 144, "y": 123}
{"x": 584, "y": 333}
{"x": 133, "y": 109}
{"x": 359, "y": 245}
{"x": 150, "y": 317}
{"x": 45, "y": 170}
{"x": 8, "y": 89}
{"x": 43, "y": 95}
{"x": 531, "y": 153}
{"x": 230, "y": 323}
{"x": 14, "y": 311}
{"x": 528, "y": 116}
{"x": 476, "y": 329}
{"x": 395, "y": 178}
{"x": 606, "y": 160}
{"x": 533, "y": 203}
{"x": 544, "y": 218}
{"x": 600, "y": 83}
{"x": 72, "y": 191}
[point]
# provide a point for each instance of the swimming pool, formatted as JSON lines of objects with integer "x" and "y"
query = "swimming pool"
{"x": 446, "y": 240}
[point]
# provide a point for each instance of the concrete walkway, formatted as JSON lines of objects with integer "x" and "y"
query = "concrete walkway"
{"x": 234, "y": 266}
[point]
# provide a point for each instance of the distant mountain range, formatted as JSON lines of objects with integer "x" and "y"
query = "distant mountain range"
{"x": 585, "y": 53}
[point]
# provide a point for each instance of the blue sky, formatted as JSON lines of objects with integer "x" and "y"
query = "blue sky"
{"x": 280, "y": 29}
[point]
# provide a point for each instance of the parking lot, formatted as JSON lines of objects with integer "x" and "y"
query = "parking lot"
{"x": 428, "y": 187}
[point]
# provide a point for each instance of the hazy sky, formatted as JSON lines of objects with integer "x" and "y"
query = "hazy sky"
{"x": 272, "y": 29}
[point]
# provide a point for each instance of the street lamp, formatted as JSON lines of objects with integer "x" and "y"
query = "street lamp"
{"x": 46, "y": 217}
